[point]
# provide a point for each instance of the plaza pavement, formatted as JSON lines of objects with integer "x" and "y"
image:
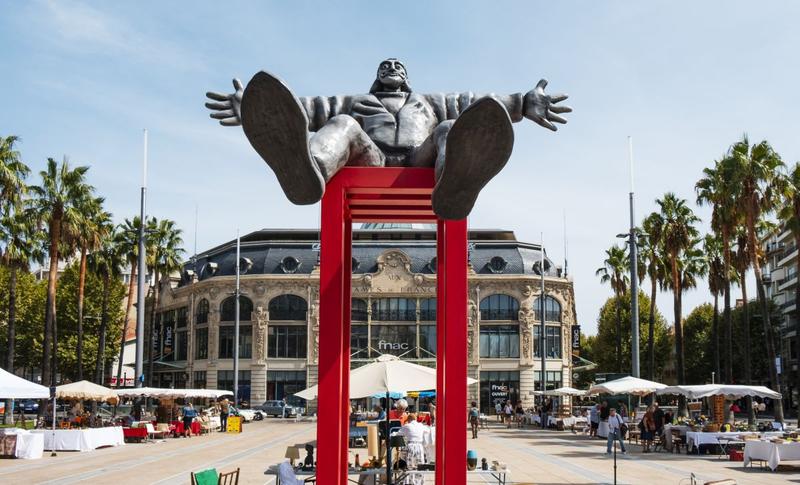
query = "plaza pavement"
{"x": 533, "y": 456}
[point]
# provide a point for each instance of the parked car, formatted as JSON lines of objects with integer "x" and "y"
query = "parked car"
{"x": 250, "y": 414}
{"x": 276, "y": 408}
{"x": 30, "y": 406}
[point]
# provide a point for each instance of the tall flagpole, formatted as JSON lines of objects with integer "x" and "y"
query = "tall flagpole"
{"x": 634, "y": 277}
{"x": 140, "y": 338}
{"x": 236, "y": 328}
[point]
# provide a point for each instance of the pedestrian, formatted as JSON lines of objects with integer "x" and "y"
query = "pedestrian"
{"x": 474, "y": 419}
{"x": 647, "y": 426}
{"x": 224, "y": 409}
{"x": 508, "y": 411}
{"x": 284, "y": 404}
{"x": 189, "y": 414}
{"x": 594, "y": 420}
{"x": 623, "y": 410}
{"x": 498, "y": 410}
{"x": 658, "y": 417}
{"x": 520, "y": 412}
{"x": 615, "y": 424}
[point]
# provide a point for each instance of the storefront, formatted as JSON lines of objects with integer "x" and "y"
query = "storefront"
{"x": 498, "y": 386}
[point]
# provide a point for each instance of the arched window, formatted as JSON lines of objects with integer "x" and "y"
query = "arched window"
{"x": 227, "y": 309}
{"x": 202, "y": 311}
{"x": 499, "y": 307}
{"x": 287, "y": 307}
{"x": 358, "y": 310}
{"x": 552, "y": 309}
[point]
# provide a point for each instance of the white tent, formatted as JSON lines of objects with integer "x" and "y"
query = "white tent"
{"x": 626, "y": 385}
{"x": 14, "y": 387}
{"x": 162, "y": 393}
{"x": 387, "y": 374}
{"x": 729, "y": 391}
{"x": 85, "y": 390}
{"x": 565, "y": 391}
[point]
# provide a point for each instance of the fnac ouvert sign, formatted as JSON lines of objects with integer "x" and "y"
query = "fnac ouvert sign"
{"x": 499, "y": 392}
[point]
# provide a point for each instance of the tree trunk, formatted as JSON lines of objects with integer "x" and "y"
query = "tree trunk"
{"x": 619, "y": 335}
{"x": 676, "y": 303}
{"x": 765, "y": 317}
{"x": 726, "y": 269}
{"x": 748, "y": 377}
{"x": 715, "y": 336}
{"x": 49, "y": 364}
{"x": 651, "y": 371}
{"x": 128, "y": 307}
{"x": 99, "y": 367}
{"x": 12, "y": 319}
{"x": 81, "y": 286}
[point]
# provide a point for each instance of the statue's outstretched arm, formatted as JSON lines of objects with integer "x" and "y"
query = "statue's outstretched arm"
{"x": 227, "y": 108}
{"x": 542, "y": 108}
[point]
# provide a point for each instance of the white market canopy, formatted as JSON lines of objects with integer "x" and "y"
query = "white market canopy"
{"x": 15, "y": 387}
{"x": 386, "y": 374}
{"x": 162, "y": 393}
{"x": 85, "y": 390}
{"x": 565, "y": 391}
{"x": 729, "y": 391}
{"x": 626, "y": 385}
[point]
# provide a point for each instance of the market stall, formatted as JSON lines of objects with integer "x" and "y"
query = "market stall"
{"x": 771, "y": 453}
{"x": 17, "y": 442}
{"x": 626, "y": 385}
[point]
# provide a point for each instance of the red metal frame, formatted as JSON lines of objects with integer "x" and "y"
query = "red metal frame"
{"x": 389, "y": 195}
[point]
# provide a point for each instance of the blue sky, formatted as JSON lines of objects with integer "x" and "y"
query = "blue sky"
{"x": 685, "y": 79}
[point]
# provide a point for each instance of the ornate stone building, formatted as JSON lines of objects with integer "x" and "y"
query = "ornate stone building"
{"x": 393, "y": 311}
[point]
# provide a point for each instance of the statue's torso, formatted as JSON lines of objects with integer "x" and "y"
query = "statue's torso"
{"x": 395, "y": 121}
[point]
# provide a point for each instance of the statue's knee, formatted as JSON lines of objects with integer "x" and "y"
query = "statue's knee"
{"x": 344, "y": 121}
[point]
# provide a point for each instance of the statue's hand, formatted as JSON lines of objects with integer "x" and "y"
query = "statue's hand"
{"x": 227, "y": 108}
{"x": 541, "y": 107}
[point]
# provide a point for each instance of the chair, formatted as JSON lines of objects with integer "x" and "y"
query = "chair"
{"x": 152, "y": 433}
{"x": 205, "y": 477}
{"x": 286, "y": 476}
{"x": 163, "y": 428}
{"x": 230, "y": 478}
{"x": 658, "y": 442}
{"x": 677, "y": 441}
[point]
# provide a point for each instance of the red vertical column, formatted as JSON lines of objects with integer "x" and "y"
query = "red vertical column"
{"x": 334, "y": 337}
{"x": 451, "y": 352}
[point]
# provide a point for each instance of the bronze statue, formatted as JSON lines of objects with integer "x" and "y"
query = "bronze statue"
{"x": 466, "y": 138}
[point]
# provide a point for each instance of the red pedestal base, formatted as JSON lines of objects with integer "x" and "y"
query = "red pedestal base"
{"x": 389, "y": 195}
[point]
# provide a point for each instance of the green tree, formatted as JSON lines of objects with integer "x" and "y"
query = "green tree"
{"x": 698, "y": 328}
{"x": 678, "y": 236}
{"x": 602, "y": 348}
{"x": 741, "y": 263}
{"x": 712, "y": 246}
{"x": 55, "y": 201}
{"x": 614, "y": 272}
{"x": 28, "y": 308}
{"x": 789, "y": 215}
{"x": 651, "y": 258}
{"x": 757, "y": 175}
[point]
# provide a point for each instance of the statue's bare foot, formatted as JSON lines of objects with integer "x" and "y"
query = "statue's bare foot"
{"x": 478, "y": 147}
{"x": 276, "y": 125}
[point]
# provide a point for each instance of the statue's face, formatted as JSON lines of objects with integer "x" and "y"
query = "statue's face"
{"x": 392, "y": 73}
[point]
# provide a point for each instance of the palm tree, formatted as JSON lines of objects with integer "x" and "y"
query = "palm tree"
{"x": 756, "y": 172}
{"x": 789, "y": 214}
{"x": 105, "y": 262}
{"x": 164, "y": 258}
{"x": 615, "y": 272}
{"x": 92, "y": 226}
{"x": 650, "y": 256}
{"x": 127, "y": 239}
{"x": 716, "y": 188}
{"x": 712, "y": 246}
{"x": 55, "y": 202}
{"x": 741, "y": 263}
{"x": 679, "y": 236}
{"x": 13, "y": 173}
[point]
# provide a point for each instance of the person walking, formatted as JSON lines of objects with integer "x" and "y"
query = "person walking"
{"x": 615, "y": 424}
{"x": 189, "y": 413}
{"x": 648, "y": 427}
{"x": 224, "y": 409}
{"x": 474, "y": 419}
{"x": 520, "y": 414}
{"x": 508, "y": 411}
{"x": 498, "y": 410}
{"x": 594, "y": 420}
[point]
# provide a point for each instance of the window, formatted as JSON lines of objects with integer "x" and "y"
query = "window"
{"x": 553, "y": 379}
{"x": 287, "y": 341}
{"x": 225, "y": 342}
{"x": 498, "y": 386}
{"x": 359, "y": 342}
{"x": 427, "y": 341}
{"x": 358, "y": 310}
{"x": 427, "y": 310}
{"x": 182, "y": 345}
{"x": 227, "y": 309}
{"x": 400, "y": 340}
{"x": 497, "y": 264}
{"x": 290, "y": 264}
{"x": 285, "y": 383}
{"x": 394, "y": 309}
{"x": 225, "y": 381}
{"x": 202, "y": 311}
{"x": 499, "y": 307}
{"x": 552, "y": 309}
{"x": 199, "y": 381}
{"x": 226, "y": 339}
{"x": 553, "y": 341}
{"x": 287, "y": 307}
{"x": 201, "y": 343}
{"x": 181, "y": 317}
{"x": 499, "y": 341}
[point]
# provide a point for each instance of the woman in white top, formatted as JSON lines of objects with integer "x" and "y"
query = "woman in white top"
{"x": 414, "y": 434}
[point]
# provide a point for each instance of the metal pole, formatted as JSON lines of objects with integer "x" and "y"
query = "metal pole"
{"x": 236, "y": 328}
{"x": 542, "y": 340}
{"x": 140, "y": 341}
{"x": 634, "y": 278}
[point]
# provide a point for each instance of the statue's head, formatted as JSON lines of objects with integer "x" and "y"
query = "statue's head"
{"x": 392, "y": 76}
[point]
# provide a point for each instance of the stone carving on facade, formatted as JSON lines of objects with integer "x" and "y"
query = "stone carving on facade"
{"x": 313, "y": 315}
{"x": 212, "y": 344}
{"x": 262, "y": 320}
{"x": 394, "y": 275}
{"x": 527, "y": 318}
{"x": 472, "y": 328}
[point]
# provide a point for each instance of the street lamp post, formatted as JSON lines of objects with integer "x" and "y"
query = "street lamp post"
{"x": 139, "y": 377}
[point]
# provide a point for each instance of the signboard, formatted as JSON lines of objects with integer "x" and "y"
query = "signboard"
{"x": 123, "y": 382}
{"x": 576, "y": 339}
{"x": 234, "y": 424}
{"x": 168, "y": 338}
{"x": 499, "y": 392}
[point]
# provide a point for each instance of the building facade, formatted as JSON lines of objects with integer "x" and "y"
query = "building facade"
{"x": 393, "y": 312}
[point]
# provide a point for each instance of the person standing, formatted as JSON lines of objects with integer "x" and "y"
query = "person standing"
{"x": 474, "y": 419}
{"x": 224, "y": 409}
{"x": 615, "y": 430}
{"x": 189, "y": 414}
{"x": 648, "y": 427}
{"x": 508, "y": 413}
{"x": 520, "y": 414}
{"x": 658, "y": 417}
{"x": 594, "y": 420}
{"x": 498, "y": 410}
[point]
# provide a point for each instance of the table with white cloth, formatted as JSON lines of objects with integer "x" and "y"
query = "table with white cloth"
{"x": 81, "y": 439}
{"x": 772, "y": 453}
{"x": 682, "y": 428}
{"x": 30, "y": 446}
{"x": 697, "y": 438}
